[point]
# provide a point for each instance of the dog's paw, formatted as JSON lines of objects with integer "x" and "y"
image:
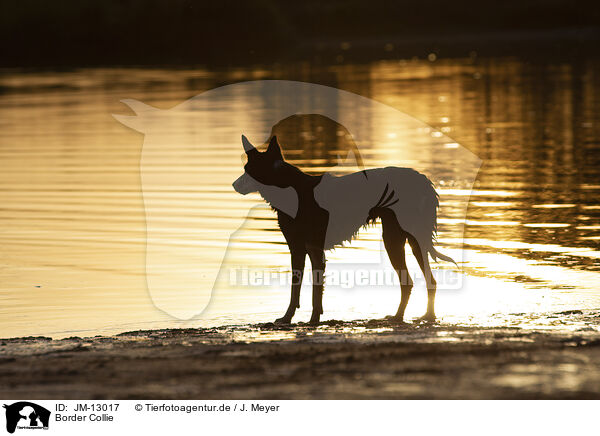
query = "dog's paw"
{"x": 428, "y": 318}
{"x": 283, "y": 320}
{"x": 395, "y": 319}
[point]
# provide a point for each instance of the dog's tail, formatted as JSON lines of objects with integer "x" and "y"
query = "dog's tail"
{"x": 437, "y": 255}
{"x": 428, "y": 209}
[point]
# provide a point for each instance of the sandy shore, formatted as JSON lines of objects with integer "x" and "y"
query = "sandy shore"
{"x": 337, "y": 360}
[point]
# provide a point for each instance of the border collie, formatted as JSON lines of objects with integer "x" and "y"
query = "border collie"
{"x": 317, "y": 213}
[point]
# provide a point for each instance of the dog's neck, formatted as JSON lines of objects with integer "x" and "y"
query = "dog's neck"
{"x": 286, "y": 199}
{"x": 281, "y": 199}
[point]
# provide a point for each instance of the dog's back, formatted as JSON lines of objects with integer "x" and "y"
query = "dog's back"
{"x": 350, "y": 198}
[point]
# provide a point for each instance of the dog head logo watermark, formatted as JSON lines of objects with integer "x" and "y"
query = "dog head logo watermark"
{"x": 25, "y": 415}
{"x": 192, "y": 152}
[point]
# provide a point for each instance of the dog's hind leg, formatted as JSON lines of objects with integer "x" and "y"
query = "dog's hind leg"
{"x": 298, "y": 259}
{"x": 429, "y": 279}
{"x": 317, "y": 260}
{"x": 394, "y": 239}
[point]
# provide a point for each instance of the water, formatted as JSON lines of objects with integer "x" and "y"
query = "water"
{"x": 73, "y": 229}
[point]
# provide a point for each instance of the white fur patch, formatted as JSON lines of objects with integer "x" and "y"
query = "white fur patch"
{"x": 348, "y": 199}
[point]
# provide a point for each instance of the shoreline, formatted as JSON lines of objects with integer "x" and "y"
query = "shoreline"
{"x": 337, "y": 360}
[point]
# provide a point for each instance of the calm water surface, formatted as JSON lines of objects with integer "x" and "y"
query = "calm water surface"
{"x": 73, "y": 229}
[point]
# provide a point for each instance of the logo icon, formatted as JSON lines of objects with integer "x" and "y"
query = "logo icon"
{"x": 26, "y": 415}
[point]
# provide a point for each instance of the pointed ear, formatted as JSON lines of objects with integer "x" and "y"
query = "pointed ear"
{"x": 142, "y": 113}
{"x": 248, "y": 147}
{"x": 274, "y": 149}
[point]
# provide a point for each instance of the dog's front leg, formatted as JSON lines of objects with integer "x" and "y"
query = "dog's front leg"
{"x": 298, "y": 259}
{"x": 317, "y": 260}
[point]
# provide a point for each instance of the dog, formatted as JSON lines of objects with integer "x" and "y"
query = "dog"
{"x": 317, "y": 213}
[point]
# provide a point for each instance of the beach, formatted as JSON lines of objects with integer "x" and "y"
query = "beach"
{"x": 363, "y": 359}
{"x": 80, "y": 219}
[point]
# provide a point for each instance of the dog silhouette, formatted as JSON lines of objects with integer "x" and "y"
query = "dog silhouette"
{"x": 318, "y": 212}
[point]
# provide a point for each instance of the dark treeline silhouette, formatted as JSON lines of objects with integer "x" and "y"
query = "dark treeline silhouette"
{"x": 161, "y": 32}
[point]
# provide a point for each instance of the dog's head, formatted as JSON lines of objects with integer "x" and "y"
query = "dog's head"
{"x": 264, "y": 168}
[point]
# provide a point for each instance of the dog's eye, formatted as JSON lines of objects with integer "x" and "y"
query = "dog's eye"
{"x": 277, "y": 164}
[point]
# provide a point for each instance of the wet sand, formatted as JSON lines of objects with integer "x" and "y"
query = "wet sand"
{"x": 337, "y": 360}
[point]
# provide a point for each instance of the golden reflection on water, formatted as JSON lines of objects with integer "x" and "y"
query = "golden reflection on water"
{"x": 73, "y": 225}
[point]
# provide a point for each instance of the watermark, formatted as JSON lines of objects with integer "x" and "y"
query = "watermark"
{"x": 345, "y": 278}
{"x": 191, "y": 157}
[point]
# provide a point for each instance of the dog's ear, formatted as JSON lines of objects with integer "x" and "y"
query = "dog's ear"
{"x": 248, "y": 147}
{"x": 274, "y": 149}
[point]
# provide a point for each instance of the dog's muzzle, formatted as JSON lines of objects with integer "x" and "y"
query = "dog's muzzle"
{"x": 245, "y": 184}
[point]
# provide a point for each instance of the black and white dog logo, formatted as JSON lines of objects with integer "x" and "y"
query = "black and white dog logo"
{"x": 26, "y": 415}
